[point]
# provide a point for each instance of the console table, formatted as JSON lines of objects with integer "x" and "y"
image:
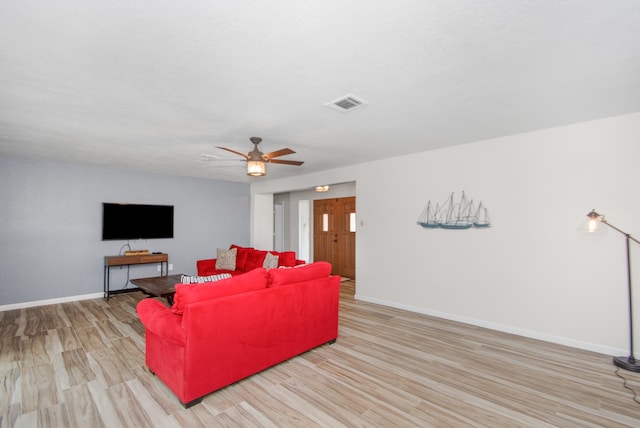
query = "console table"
{"x": 111, "y": 261}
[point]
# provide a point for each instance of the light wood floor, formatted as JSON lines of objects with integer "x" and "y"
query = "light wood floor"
{"x": 81, "y": 364}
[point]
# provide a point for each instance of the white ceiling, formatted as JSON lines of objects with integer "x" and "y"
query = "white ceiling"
{"x": 151, "y": 85}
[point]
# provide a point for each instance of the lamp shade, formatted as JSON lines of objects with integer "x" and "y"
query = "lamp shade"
{"x": 256, "y": 168}
{"x": 593, "y": 222}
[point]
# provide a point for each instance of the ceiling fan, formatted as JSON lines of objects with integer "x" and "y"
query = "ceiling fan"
{"x": 256, "y": 160}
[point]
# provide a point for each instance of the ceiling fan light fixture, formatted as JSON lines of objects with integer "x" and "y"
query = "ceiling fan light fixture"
{"x": 256, "y": 168}
{"x": 257, "y": 161}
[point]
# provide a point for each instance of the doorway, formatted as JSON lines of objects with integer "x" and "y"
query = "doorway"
{"x": 334, "y": 234}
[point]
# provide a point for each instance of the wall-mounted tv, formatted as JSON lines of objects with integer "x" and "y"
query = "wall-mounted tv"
{"x": 136, "y": 221}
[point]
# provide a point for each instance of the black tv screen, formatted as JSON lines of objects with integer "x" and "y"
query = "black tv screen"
{"x": 136, "y": 221}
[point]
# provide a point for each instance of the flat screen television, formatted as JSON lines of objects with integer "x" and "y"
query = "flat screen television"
{"x": 136, "y": 221}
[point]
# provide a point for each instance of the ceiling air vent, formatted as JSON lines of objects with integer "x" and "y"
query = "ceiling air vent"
{"x": 347, "y": 103}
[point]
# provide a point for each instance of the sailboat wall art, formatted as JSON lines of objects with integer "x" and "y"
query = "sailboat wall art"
{"x": 455, "y": 214}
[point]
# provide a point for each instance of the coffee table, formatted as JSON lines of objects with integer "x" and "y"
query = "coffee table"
{"x": 160, "y": 286}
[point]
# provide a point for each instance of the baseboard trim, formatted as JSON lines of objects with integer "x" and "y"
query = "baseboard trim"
{"x": 50, "y": 301}
{"x": 587, "y": 346}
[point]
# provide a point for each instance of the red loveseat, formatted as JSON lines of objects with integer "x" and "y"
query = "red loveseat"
{"x": 218, "y": 333}
{"x": 247, "y": 259}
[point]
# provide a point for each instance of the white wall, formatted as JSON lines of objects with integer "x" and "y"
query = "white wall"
{"x": 262, "y": 225}
{"x": 51, "y": 223}
{"x": 532, "y": 273}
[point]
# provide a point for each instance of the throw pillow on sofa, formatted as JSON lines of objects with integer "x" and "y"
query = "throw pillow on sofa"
{"x": 186, "y": 279}
{"x": 255, "y": 259}
{"x": 284, "y": 275}
{"x": 270, "y": 261}
{"x": 226, "y": 259}
{"x": 241, "y": 257}
{"x": 286, "y": 258}
{"x": 188, "y": 293}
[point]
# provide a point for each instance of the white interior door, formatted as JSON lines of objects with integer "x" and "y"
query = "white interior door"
{"x": 278, "y": 226}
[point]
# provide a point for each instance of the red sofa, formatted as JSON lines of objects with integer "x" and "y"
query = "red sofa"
{"x": 218, "y": 333}
{"x": 247, "y": 259}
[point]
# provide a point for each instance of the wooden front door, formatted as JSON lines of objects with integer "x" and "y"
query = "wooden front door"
{"x": 334, "y": 237}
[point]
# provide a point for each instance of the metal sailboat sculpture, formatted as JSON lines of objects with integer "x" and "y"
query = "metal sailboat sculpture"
{"x": 454, "y": 215}
{"x": 458, "y": 214}
{"x": 482, "y": 217}
{"x": 429, "y": 217}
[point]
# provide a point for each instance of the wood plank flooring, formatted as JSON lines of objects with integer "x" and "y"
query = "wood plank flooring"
{"x": 81, "y": 364}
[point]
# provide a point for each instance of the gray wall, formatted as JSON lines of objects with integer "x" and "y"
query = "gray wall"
{"x": 51, "y": 217}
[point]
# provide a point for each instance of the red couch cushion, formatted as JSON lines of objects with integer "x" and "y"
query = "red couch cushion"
{"x": 241, "y": 257}
{"x": 255, "y": 259}
{"x": 188, "y": 293}
{"x": 285, "y": 258}
{"x": 276, "y": 277}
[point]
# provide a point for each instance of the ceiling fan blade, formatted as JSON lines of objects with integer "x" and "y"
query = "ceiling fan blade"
{"x": 233, "y": 151}
{"x": 286, "y": 162}
{"x": 214, "y": 158}
{"x": 277, "y": 153}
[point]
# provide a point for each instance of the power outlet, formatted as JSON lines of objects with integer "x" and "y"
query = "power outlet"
{"x": 170, "y": 266}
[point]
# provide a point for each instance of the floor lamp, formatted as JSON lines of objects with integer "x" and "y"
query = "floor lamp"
{"x": 627, "y": 363}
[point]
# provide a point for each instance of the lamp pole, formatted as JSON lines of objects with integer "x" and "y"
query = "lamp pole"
{"x": 627, "y": 363}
